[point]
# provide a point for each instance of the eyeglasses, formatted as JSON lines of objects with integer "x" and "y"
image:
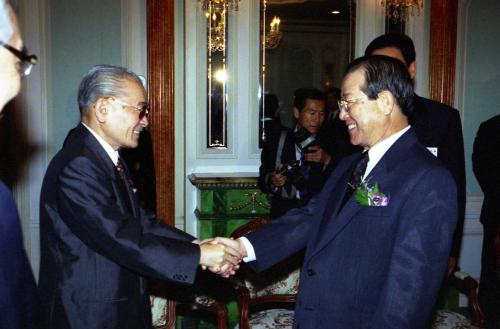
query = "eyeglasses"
{"x": 26, "y": 61}
{"x": 345, "y": 104}
{"x": 143, "y": 108}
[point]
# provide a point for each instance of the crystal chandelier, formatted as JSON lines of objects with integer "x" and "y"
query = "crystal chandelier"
{"x": 399, "y": 10}
{"x": 216, "y": 14}
{"x": 219, "y": 4}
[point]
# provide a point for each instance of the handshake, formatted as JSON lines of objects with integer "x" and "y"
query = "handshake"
{"x": 221, "y": 255}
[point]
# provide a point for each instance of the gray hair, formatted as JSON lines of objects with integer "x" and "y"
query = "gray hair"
{"x": 6, "y": 29}
{"x": 103, "y": 81}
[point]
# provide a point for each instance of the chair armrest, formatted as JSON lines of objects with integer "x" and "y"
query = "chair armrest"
{"x": 465, "y": 284}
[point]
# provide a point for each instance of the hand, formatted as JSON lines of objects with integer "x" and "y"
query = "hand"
{"x": 278, "y": 179}
{"x": 219, "y": 258}
{"x": 317, "y": 154}
{"x": 233, "y": 244}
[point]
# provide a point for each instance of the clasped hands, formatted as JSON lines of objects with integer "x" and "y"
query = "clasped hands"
{"x": 221, "y": 255}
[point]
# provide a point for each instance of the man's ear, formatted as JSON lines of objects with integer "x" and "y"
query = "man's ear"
{"x": 296, "y": 113}
{"x": 385, "y": 102}
{"x": 412, "y": 69}
{"x": 101, "y": 109}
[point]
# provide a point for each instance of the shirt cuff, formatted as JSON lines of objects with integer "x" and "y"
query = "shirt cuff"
{"x": 250, "y": 251}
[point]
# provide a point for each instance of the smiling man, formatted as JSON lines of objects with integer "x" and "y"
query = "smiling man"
{"x": 377, "y": 236}
{"x": 97, "y": 243}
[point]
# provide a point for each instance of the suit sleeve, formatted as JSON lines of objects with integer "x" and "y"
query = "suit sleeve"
{"x": 453, "y": 157}
{"x": 268, "y": 164}
{"x": 420, "y": 253}
{"x": 88, "y": 205}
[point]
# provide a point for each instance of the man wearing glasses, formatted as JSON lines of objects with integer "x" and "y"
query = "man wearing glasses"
{"x": 97, "y": 242}
{"x": 19, "y": 307}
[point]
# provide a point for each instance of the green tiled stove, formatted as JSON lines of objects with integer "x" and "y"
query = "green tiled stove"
{"x": 227, "y": 201}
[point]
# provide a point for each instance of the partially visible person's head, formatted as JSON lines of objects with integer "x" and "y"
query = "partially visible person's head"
{"x": 332, "y": 97}
{"x": 9, "y": 37}
{"x": 376, "y": 100}
{"x": 271, "y": 106}
{"x": 309, "y": 109}
{"x": 113, "y": 102}
{"x": 398, "y": 46}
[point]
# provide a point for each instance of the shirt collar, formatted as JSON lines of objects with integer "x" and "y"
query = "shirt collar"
{"x": 377, "y": 151}
{"x": 113, "y": 155}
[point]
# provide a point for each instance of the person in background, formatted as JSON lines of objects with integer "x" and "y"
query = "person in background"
{"x": 334, "y": 132}
{"x": 486, "y": 166}
{"x": 97, "y": 243}
{"x": 437, "y": 126}
{"x": 294, "y": 164}
{"x": 269, "y": 115}
{"x": 19, "y": 304}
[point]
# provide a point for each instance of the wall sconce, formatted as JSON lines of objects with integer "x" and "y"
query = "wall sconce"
{"x": 399, "y": 10}
{"x": 273, "y": 37}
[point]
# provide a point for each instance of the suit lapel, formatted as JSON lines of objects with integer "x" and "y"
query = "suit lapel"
{"x": 93, "y": 146}
{"x": 333, "y": 225}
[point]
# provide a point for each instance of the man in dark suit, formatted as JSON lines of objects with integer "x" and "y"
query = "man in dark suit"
{"x": 97, "y": 243}
{"x": 378, "y": 235}
{"x": 19, "y": 305}
{"x": 486, "y": 166}
{"x": 437, "y": 126}
{"x": 294, "y": 164}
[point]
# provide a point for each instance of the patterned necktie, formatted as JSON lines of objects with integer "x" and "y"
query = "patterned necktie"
{"x": 120, "y": 167}
{"x": 356, "y": 178}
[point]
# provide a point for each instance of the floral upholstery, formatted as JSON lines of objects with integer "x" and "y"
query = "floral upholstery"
{"x": 451, "y": 320}
{"x": 159, "y": 311}
{"x": 286, "y": 282}
{"x": 271, "y": 319}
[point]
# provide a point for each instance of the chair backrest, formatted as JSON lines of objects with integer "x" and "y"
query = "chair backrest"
{"x": 281, "y": 279}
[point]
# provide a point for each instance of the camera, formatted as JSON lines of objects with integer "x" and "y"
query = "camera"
{"x": 293, "y": 174}
{"x": 304, "y": 139}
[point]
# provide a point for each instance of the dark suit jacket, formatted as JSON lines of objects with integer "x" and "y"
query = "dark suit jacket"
{"x": 19, "y": 305}
{"x": 438, "y": 125}
{"x": 317, "y": 175}
{"x": 486, "y": 166}
{"x": 97, "y": 243}
{"x": 369, "y": 267}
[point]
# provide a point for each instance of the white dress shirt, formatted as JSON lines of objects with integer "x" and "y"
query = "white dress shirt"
{"x": 109, "y": 150}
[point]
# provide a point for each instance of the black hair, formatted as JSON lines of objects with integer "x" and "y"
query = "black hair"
{"x": 271, "y": 104}
{"x": 302, "y": 94}
{"x": 385, "y": 73}
{"x": 399, "y": 41}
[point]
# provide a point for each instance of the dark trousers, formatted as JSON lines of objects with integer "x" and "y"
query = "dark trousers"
{"x": 489, "y": 285}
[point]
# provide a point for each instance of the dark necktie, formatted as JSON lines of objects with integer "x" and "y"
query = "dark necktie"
{"x": 124, "y": 175}
{"x": 356, "y": 178}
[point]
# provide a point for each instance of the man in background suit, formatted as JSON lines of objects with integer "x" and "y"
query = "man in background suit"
{"x": 19, "y": 306}
{"x": 486, "y": 166}
{"x": 437, "y": 126}
{"x": 97, "y": 243}
{"x": 373, "y": 261}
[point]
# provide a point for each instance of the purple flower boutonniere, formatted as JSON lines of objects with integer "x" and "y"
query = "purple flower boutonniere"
{"x": 371, "y": 196}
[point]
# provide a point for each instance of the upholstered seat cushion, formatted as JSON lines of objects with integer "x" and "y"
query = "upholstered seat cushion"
{"x": 159, "y": 311}
{"x": 451, "y": 320}
{"x": 271, "y": 319}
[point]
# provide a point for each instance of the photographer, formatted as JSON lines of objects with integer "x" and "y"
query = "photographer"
{"x": 294, "y": 164}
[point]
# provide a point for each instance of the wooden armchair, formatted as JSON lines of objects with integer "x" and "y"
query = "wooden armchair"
{"x": 266, "y": 299}
{"x": 166, "y": 299}
{"x": 466, "y": 285}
